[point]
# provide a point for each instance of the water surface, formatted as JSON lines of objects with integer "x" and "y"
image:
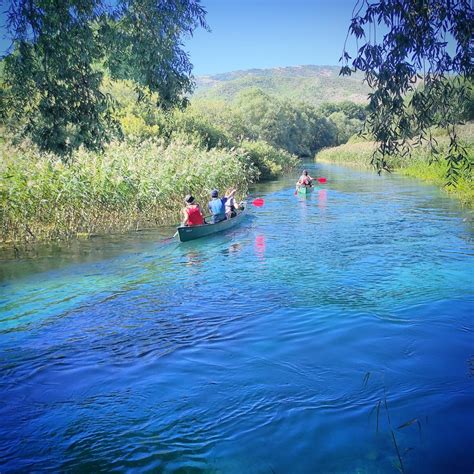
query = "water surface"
{"x": 329, "y": 333}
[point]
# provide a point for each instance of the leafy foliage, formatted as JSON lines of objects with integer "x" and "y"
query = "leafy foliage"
{"x": 296, "y": 127}
{"x": 270, "y": 161}
{"x": 143, "y": 43}
{"x": 347, "y": 117}
{"x": 52, "y": 78}
{"x": 406, "y": 49}
{"x": 53, "y": 86}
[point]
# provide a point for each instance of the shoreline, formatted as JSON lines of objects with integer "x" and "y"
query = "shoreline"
{"x": 419, "y": 166}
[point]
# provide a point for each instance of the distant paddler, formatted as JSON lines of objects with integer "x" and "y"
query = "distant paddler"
{"x": 304, "y": 180}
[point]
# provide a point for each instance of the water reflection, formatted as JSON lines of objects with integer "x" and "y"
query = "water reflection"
{"x": 194, "y": 258}
{"x": 322, "y": 199}
{"x": 260, "y": 246}
{"x": 303, "y": 202}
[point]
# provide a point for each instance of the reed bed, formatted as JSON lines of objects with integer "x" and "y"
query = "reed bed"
{"x": 421, "y": 164}
{"x": 128, "y": 186}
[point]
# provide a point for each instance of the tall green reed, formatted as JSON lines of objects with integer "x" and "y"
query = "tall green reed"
{"x": 420, "y": 164}
{"x": 128, "y": 186}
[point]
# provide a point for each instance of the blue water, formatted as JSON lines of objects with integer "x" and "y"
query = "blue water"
{"x": 302, "y": 341}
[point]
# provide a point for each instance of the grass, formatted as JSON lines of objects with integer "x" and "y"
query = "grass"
{"x": 419, "y": 165}
{"x": 125, "y": 187}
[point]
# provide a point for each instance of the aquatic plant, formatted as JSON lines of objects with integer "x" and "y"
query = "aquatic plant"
{"x": 382, "y": 403}
{"x": 128, "y": 186}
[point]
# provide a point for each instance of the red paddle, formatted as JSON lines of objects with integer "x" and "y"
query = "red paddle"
{"x": 320, "y": 180}
{"x": 259, "y": 202}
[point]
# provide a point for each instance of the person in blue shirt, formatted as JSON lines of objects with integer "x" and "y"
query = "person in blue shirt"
{"x": 217, "y": 205}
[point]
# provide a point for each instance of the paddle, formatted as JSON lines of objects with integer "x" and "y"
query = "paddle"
{"x": 319, "y": 180}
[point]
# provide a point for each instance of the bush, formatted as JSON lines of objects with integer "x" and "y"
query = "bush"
{"x": 270, "y": 161}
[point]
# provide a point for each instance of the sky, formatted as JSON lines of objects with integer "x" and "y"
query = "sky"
{"x": 249, "y": 34}
{"x": 269, "y": 33}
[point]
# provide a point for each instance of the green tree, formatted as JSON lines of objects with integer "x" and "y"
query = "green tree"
{"x": 296, "y": 127}
{"x": 400, "y": 45}
{"x": 53, "y": 75}
{"x": 346, "y": 116}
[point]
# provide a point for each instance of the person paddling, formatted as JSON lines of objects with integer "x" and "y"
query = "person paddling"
{"x": 304, "y": 180}
{"x": 230, "y": 206}
{"x": 217, "y": 205}
{"x": 192, "y": 212}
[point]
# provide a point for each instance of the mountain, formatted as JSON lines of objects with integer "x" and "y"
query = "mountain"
{"x": 313, "y": 84}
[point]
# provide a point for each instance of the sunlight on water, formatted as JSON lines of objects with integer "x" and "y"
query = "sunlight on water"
{"x": 328, "y": 333}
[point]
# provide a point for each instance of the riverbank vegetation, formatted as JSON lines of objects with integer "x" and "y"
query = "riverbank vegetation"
{"x": 418, "y": 80}
{"x": 154, "y": 157}
{"x": 128, "y": 186}
{"x": 421, "y": 164}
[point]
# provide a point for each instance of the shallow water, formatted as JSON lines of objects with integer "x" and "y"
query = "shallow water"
{"x": 302, "y": 341}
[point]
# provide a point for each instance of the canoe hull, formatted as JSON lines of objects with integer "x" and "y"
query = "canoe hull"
{"x": 304, "y": 190}
{"x": 186, "y": 233}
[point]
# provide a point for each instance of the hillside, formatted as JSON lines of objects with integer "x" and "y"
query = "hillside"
{"x": 313, "y": 84}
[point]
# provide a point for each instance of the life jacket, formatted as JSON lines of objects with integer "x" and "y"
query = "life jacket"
{"x": 194, "y": 216}
{"x": 217, "y": 208}
{"x": 304, "y": 180}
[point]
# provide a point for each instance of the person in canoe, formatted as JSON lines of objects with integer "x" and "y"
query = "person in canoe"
{"x": 192, "y": 212}
{"x": 217, "y": 205}
{"x": 304, "y": 180}
{"x": 230, "y": 205}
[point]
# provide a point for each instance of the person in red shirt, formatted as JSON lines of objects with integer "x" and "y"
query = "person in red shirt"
{"x": 192, "y": 212}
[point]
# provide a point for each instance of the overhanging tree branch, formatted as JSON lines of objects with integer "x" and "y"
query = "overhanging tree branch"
{"x": 420, "y": 70}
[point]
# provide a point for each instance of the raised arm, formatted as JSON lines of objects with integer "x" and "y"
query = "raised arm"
{"x": 231, "y": 194}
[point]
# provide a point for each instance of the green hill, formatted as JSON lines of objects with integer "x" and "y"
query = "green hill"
{"x": 312, "y": 84}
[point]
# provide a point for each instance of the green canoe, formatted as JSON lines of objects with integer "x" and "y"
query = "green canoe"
{"x": 304, "y": 190}
{"x": 186, "y": 233}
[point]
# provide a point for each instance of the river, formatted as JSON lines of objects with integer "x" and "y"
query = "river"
{"x": 332, "y": 333}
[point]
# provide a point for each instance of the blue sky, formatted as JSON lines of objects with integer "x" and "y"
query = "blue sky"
{"x": 269, "y": 33}
{"x": 264, "y": 33}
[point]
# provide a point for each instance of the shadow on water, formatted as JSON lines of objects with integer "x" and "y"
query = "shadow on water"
{"x": 44, "y": 256}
